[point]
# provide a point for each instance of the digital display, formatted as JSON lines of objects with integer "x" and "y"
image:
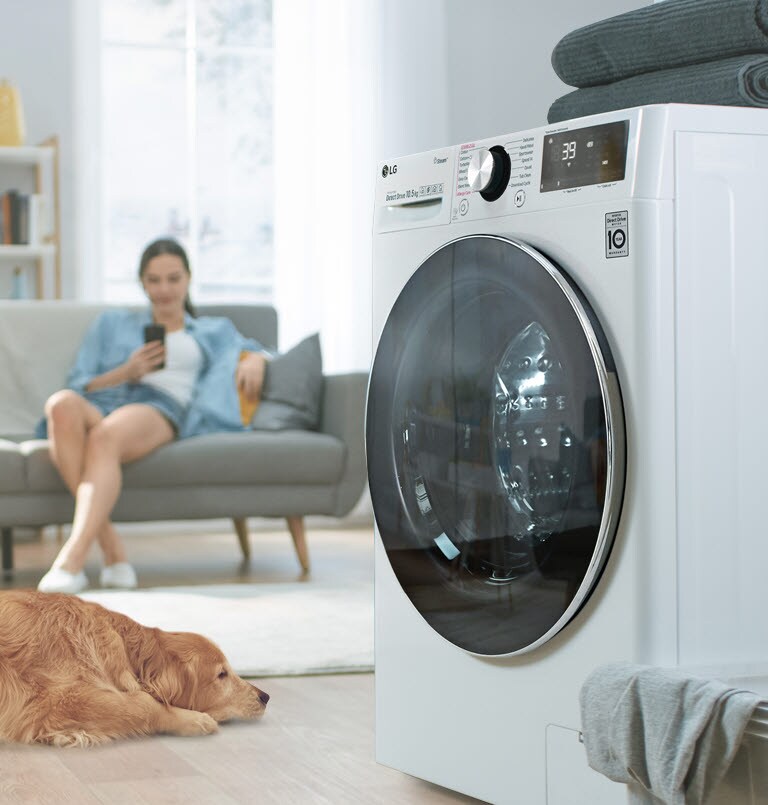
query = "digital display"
{"x": 584, "y": 156}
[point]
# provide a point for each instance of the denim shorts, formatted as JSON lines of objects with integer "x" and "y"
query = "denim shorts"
{"x": 110, "y": 399}
{"x": 132, "y": 393}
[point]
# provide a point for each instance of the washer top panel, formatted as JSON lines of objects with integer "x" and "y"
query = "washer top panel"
{"x": 604, "y": 158}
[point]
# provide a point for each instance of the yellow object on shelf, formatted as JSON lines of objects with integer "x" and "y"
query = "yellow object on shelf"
{"x": 11, "y": 116}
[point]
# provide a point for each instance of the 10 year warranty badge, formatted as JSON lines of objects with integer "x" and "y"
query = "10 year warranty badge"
{"x": 617, "y": 234}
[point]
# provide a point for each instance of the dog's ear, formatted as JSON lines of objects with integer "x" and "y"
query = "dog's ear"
{"x": 162, "y": 682}
{"x": 168, "y": 674}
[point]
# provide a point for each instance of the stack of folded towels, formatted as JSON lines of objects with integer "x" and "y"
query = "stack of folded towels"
{"x": 676, "y": 51}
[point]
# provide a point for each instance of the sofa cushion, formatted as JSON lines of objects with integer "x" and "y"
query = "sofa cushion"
{"x": 293, "y": 385}
{"x": 288, "y": 457}
{"x": 39, "y": 340}
{"x": 12, "y": 475}
{"x": 38, "y": 344}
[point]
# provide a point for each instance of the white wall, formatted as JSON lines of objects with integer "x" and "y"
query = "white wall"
{"x": 500, "y": 72}
{"x": 449, "y": 71}
{"x": 453, "y": 71}
{"x": 36, "y": 56}
{"x": 414, "y": 90}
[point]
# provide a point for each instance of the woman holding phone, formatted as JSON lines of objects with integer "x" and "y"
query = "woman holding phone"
{"x": 140, "y": 380}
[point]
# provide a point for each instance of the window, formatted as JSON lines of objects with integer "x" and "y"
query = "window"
{"x": 186, "y": 143}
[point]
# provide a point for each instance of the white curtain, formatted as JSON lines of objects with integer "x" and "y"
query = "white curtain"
{"x": 324, "y": 133}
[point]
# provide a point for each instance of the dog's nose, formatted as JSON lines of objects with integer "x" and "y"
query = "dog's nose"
{"x": 263, "y": 697}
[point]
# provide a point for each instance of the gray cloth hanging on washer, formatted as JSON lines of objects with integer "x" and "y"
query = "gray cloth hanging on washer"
{"x": 670, "y": 736}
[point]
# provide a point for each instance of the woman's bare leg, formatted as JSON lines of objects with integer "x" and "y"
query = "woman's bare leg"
{"x": 70, "y": 418}
{"x": 125, "y": 435}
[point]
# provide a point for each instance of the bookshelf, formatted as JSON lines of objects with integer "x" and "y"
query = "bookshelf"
{"x": 32, "y": 171}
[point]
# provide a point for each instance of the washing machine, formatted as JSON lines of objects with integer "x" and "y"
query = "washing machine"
{"x": 566, "y": 433}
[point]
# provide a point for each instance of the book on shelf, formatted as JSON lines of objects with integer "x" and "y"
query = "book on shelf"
{"x": 5, "y": 209}
{"x": 23, "y": 219}
{"x": 15, "y": 217}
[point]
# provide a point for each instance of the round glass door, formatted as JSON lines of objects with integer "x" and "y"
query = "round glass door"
{"x": 495, "y": 445}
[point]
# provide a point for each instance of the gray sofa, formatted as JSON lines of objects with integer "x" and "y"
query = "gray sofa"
{"x": 236, "y": 475}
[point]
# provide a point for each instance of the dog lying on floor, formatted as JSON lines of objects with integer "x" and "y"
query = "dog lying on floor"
{"x": 73, "y": 673}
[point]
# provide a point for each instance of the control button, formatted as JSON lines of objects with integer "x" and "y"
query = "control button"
{"x": 480, "y": 169}
{"x": 489, "y": 178}
{"x": 463, "y": 207}
{"x": 488, "y": 171}
{"x": 519, "y": 198}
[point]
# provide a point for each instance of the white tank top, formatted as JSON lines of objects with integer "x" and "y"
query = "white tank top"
{"x": 183, "y": 361}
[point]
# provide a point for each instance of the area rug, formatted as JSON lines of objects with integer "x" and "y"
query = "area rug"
{"x": 264, "y": 629}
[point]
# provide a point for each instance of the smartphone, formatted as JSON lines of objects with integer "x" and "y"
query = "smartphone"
{"x": 155, "y": 332}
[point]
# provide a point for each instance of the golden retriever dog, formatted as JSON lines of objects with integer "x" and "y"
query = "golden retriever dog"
{"x": 73, "y": 673}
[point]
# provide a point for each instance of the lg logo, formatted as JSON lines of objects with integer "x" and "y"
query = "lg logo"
{"x": 387, "y": 169}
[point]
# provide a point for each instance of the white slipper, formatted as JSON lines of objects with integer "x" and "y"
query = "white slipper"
{"x": 121, "y": 575}
{"x": 58, "y": 580}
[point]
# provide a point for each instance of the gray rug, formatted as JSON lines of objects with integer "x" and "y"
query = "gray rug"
{"x": 264, "y": 629}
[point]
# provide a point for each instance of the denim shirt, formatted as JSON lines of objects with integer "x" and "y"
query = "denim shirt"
{"x": 117, "y": 333}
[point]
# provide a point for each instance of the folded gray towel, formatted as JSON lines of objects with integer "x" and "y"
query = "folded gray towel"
{"x": 661, "y": 36}
{"x": 738, "y": 81}
{"x": 669, "y": 735}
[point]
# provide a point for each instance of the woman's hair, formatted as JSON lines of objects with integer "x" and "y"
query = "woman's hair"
{"x": 166, "y": 246}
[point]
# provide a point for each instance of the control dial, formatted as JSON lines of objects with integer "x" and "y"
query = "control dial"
{"x": 480, "y": 169}
{"x": 488, "y": 171}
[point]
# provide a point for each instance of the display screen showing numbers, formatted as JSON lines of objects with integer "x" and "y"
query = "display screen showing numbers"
{"x": 584, "y": 156}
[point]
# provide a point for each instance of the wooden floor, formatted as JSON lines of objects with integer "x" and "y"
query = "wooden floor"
{"x": 315, "y": 743}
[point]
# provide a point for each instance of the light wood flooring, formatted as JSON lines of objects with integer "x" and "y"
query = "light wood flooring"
{"x": 316, "y": 741}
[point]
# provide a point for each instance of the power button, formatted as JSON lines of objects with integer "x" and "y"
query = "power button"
{"x": 463, "y": 207}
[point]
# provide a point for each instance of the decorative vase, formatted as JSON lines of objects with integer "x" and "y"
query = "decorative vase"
{"x": 11, "y": 115}
{"x": 19, "y": 284}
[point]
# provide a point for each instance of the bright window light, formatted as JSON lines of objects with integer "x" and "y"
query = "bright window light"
{"x": 186, "y": 134}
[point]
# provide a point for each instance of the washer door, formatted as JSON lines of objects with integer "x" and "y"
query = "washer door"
{"x": 495, "y": 444}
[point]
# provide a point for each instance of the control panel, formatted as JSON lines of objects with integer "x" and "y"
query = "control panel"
{"x": 514, "y": 173}
{"x": 572, "y": 162}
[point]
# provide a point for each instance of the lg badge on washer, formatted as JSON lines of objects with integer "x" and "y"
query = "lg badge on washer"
{"x": 617, "y": 234}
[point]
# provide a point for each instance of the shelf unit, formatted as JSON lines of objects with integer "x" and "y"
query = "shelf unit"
{"x": 35, "y": 168}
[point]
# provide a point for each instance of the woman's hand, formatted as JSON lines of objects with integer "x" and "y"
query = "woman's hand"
{"x": 249, "y": 377}
{"x": 143, "y": 360}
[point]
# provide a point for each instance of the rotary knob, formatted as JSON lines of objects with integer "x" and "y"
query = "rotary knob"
{"x": 488, "y": 171}
{"x": 480, "y": 169}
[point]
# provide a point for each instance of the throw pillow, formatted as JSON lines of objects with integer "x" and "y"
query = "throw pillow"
{"x": 247, "y": 407}
{"x": 293, "y": 385}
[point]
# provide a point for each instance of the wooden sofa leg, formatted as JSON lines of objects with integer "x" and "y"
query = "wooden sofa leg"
{"x": 7, "y": 550}
{"x": 296, "y": 527}
{"x": 241, "y": 527}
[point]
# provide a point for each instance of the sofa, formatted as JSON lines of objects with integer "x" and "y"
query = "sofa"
{"x": 286, "y": 473}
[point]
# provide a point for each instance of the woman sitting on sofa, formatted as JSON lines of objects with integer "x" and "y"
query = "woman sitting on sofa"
{"x": 125, "y": 398}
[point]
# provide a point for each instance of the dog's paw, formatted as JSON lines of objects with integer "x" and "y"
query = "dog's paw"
{"x": 194, "y": 723}
{"x": 75, "y": 738}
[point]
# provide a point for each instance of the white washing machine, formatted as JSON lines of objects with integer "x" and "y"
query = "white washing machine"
{"x": 567, "y": 434}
